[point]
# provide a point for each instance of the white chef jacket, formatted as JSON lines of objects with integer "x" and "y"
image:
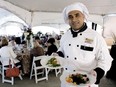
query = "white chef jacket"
{"x": 85, "y": 52}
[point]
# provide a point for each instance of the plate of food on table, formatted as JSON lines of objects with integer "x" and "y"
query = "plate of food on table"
{"x": 53, "y": 62}
{"x": 78, "y": 79}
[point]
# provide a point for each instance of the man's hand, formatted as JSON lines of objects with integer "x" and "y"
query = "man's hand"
{"x": 93, "y": 72}
{"x": 54, "y": 54}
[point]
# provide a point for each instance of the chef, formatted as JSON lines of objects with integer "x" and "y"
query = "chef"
{"x": 83, "y": 48}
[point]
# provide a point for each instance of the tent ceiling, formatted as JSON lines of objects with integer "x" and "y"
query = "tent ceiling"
{"x": 95, "y": 6}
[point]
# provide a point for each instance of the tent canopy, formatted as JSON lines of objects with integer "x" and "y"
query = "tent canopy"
{"x": 95, "y": 6}
{"x": 37, "y": 12}
{"x": 48, "y": 12}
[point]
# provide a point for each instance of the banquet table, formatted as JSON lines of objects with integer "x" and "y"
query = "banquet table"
{"x": 25, "y": 59}
{"x": 48, "y": 68}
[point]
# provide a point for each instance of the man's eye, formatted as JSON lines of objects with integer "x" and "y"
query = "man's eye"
{"x": 70, "y": 17}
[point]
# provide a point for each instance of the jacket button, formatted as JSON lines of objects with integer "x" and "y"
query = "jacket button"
{"x": 67, "y": 56}
{"x": 74, "y": 70}
{"x": 77, "y": 45}
{"x": 65, "y": 68}
{"x": 75, "y": 58}
{"x": 80, "y": 33}
{"x": 69, "y": 44}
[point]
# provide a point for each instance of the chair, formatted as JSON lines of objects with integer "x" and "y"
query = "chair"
{"x": 57, "y": 71}
{"x": 4, "y": 79}
{"x": 35, "y": 68}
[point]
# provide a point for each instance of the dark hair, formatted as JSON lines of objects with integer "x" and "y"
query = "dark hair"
{"x": 37, "y": 38}
{"x": 23, "y": 42}
{"x": 51, "y": 40}
{"x": 4, "y": 42}
{"x": 13, "y": 38}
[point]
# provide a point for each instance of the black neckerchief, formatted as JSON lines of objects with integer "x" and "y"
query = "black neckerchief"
{"x": 74, "y": 34}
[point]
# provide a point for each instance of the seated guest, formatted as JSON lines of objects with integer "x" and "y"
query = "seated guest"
{"x": 37, "y": 50}
{"x": 24, "y": 44}
{"x": 51, "y": 47}
{"x": 38, "y": 40}
{"x": 18, "y": 40}
{"x": 12, "y": 42}
{"x": 7, "y": 53}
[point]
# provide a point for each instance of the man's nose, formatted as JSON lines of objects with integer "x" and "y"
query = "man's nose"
{"x": 74, "y": 19}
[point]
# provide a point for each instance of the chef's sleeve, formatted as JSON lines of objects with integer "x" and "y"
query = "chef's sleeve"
{"x": 103, "y": 57}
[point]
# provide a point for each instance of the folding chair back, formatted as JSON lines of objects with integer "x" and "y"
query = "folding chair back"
{"x": 3, "y": 68}
{"x": 35, "y": 68}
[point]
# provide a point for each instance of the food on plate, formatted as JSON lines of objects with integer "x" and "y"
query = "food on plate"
{"x": 77, "y": 79}
{"x": 53, "y": 62}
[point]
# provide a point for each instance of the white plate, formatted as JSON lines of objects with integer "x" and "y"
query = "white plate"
{"x": 45, "y": 59}
{"x": 92, "y": 79}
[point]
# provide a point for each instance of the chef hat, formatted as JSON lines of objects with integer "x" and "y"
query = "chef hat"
{"x": 76, "y": 6}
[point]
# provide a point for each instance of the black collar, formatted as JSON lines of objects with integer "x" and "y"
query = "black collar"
{"x": 75, "y": 34}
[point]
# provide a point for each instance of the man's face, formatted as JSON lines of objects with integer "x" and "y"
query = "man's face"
{"x": 76, "y": 19}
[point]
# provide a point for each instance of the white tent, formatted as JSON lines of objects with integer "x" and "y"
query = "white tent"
{"x": 35, "y": 12}
{"x": 43, "y": 12}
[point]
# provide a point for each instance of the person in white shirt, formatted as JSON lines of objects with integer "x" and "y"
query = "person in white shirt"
{"x": 12, "y": 43}
{"x": 7, "y": 53}
{"x": 83, "y": 48}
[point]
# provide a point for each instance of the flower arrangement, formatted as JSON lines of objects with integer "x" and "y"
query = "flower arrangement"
{"x": 28, "y": 37}
{"x": 29, "y": 34}
{"x": 53, "y": 62}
